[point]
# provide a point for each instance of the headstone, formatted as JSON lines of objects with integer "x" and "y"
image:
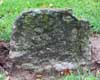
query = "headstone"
{"x": 49, "y": 37}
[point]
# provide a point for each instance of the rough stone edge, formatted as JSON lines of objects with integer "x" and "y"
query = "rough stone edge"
{"x": 56, "y": 10}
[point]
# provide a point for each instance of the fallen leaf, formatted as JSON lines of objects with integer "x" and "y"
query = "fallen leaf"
{"x": 67, "y": 72}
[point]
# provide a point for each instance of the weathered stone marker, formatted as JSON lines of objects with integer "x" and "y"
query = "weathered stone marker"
{"x": 49, "y": 37}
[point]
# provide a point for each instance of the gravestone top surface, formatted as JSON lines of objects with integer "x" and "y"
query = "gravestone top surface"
{"x": 49, "y": 36}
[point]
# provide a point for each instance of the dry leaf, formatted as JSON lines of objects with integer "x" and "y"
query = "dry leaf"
{"x": 44, "y": 6}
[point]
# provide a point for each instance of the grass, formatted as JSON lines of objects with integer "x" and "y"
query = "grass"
{"x": 2, "y": 76}
{"x": 80, "y": 77}
{"x": 10, "y": 9}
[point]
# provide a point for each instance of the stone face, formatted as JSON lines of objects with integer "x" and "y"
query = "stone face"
{"x": 49, "y": 36}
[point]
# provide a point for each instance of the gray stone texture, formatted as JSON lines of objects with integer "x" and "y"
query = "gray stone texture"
{"x": 49, "y": 37}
